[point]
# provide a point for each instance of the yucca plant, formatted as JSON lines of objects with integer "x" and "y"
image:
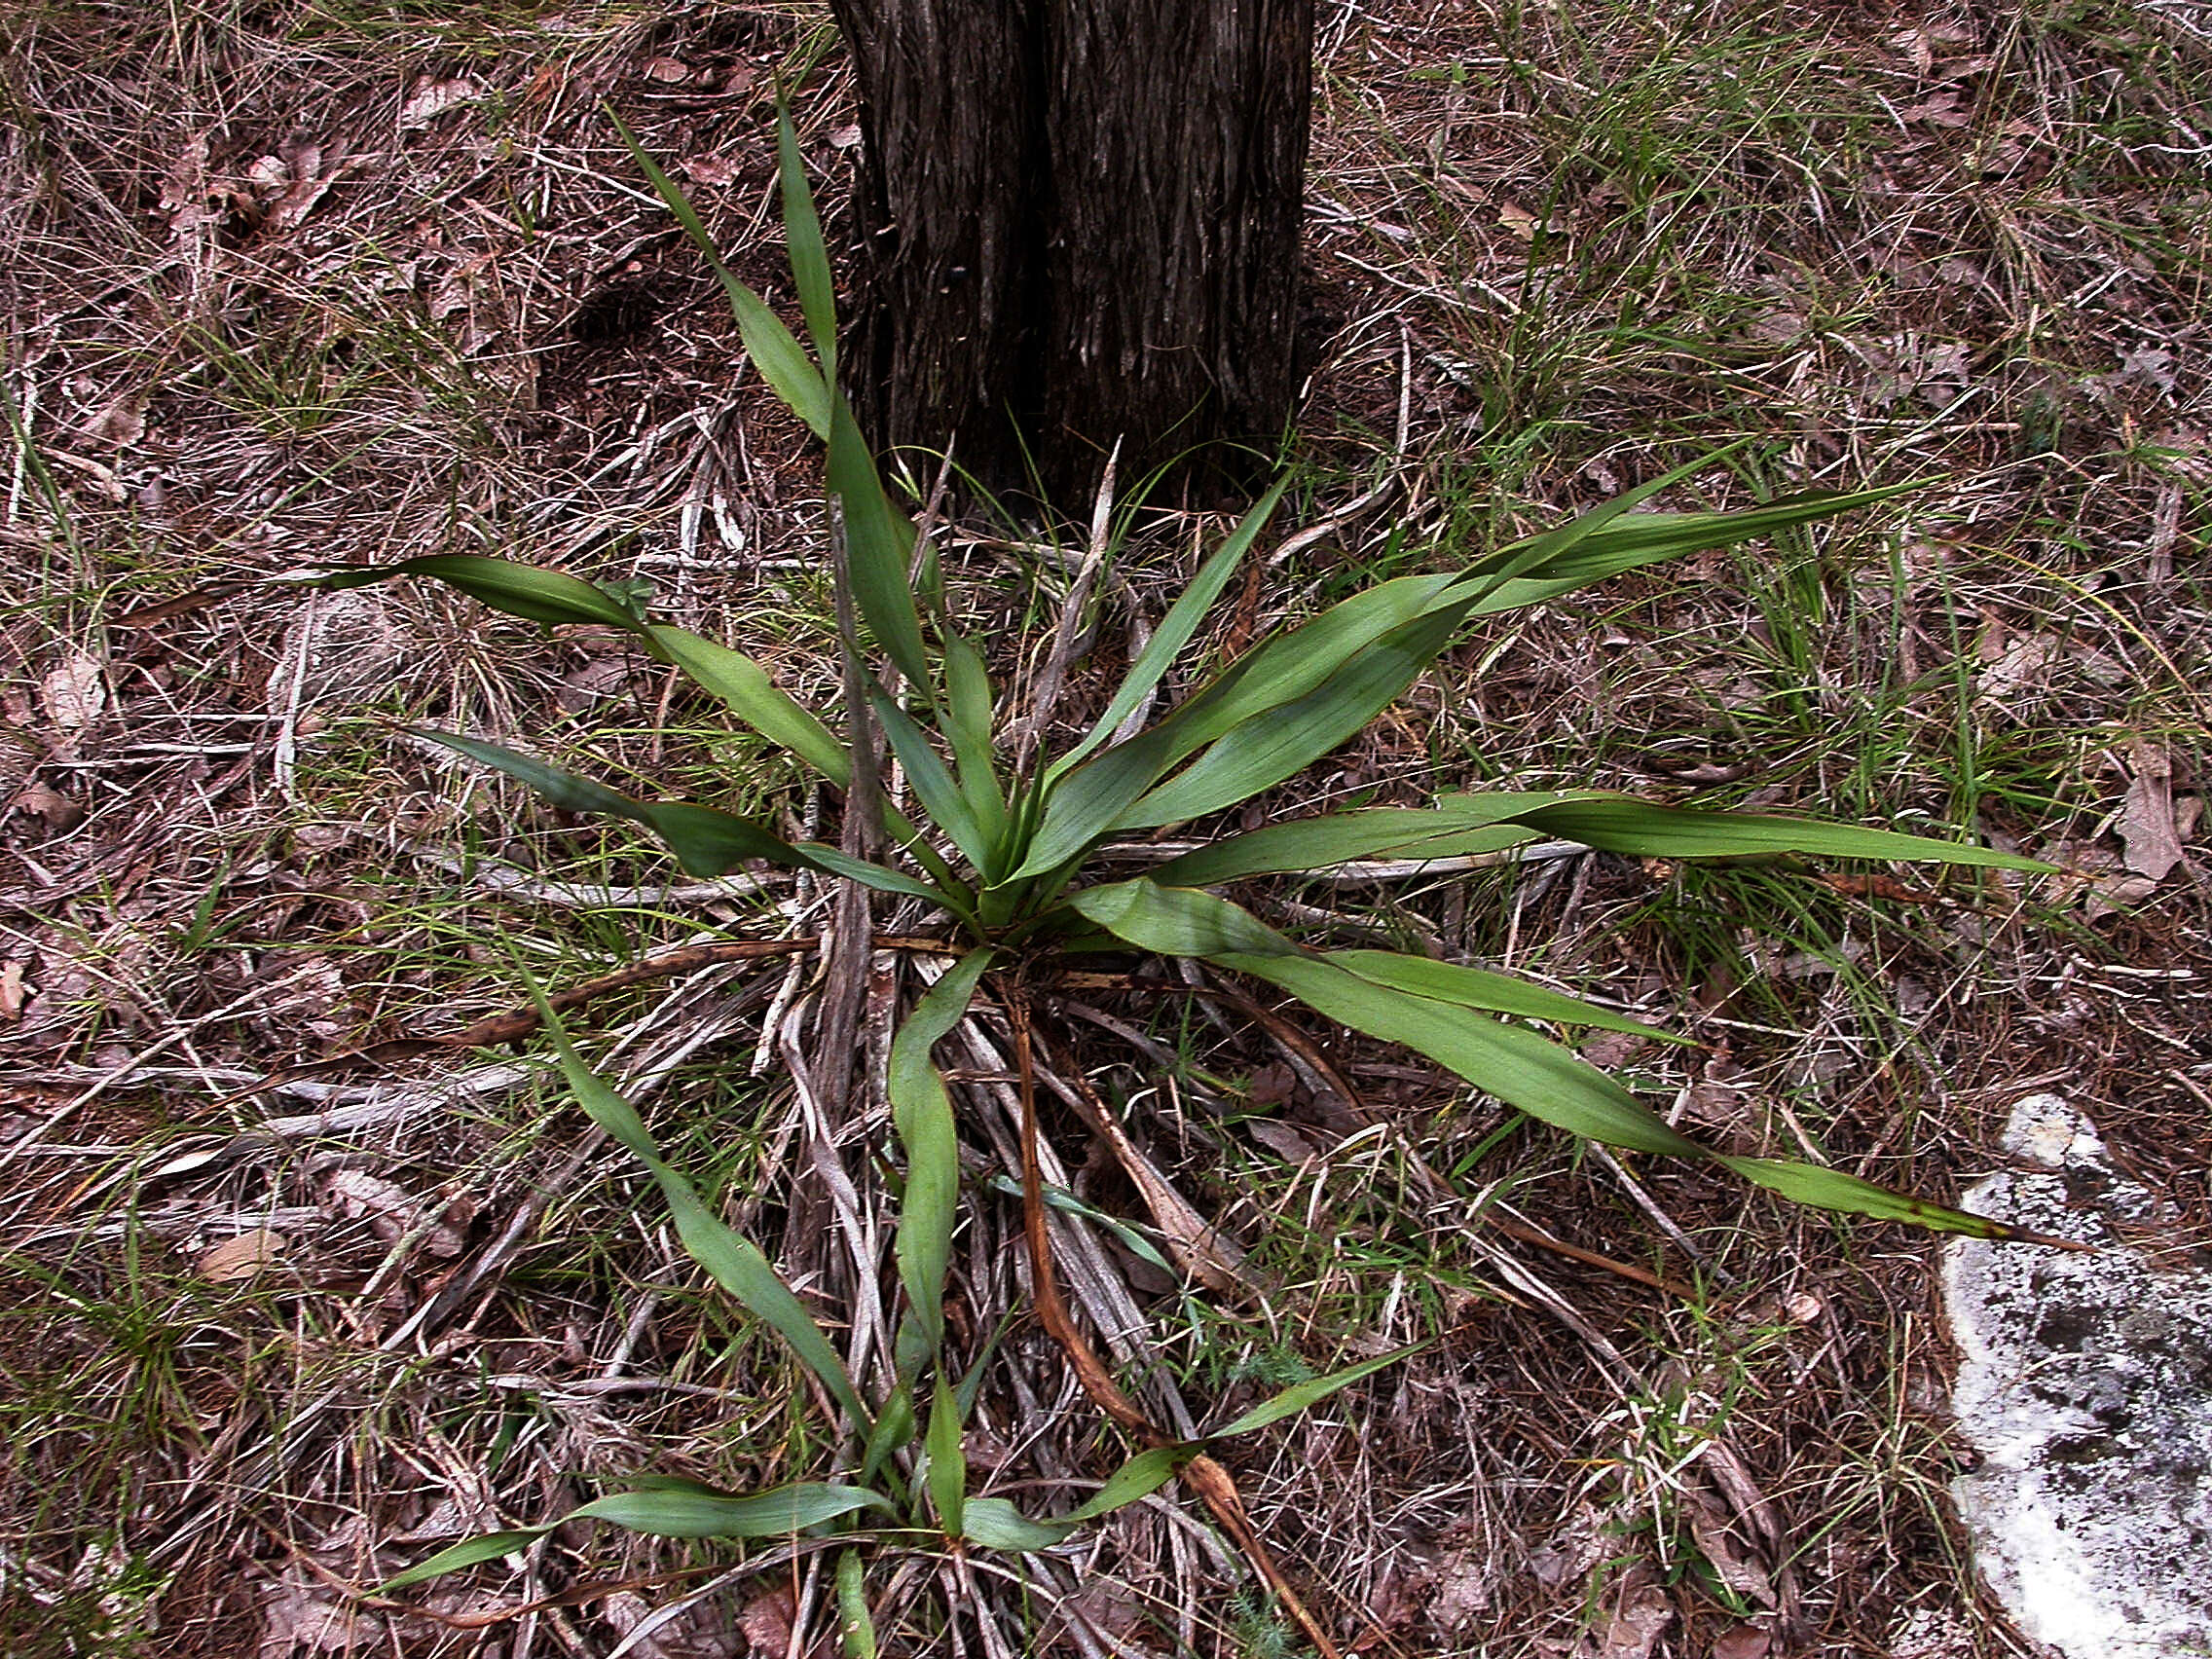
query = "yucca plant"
{"x": 1003, "y": 847}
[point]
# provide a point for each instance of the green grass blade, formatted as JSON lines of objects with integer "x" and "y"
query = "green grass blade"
{"x": 949, "y": 1463}
{"x": 1177, "y": 628}
{"x": 1492, "y": 993}
{"x": 734, "y": 1262}
{"x": 1620, "y": 824}
{"x": 802, "y": 239}
{"x": 1302, "y": 1396}
{"x": 783, "y": 362}
{"x": 753, "y": 698}
{"x": 520, "y": 590}
{"x": 921, "y": 1113}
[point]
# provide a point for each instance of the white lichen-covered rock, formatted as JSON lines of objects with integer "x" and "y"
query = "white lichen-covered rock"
{"x": 2086, "y": 1385}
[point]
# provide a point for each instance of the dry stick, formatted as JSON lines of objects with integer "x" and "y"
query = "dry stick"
{"x": 1202, "y": 1474}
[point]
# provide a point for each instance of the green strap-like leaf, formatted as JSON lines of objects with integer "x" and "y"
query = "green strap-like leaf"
{"x": 880, "y": 543}
{"x": 755, "y": 699}
{"x": 947, "y": 1461}
{"x": 803, "y": 240}
{"x": 1313, "y": 844}
{"x": 519, "y": 590}
{"x": 707, "y": 842}
{"x": 969, "y": 708}
{"x": 1177, "y": 628}
{"x": 1620, "y": 825}
{"x": 922, "y": 1114}
{"x": 781, "y": 361}
{"x": 697, "y": 1512}
{"x": 1525, "y": 1070}
{"x": 1304, "y": 1396}
{"x": 734, "y": 1262}
{"x": 996, "y": 1525}
{"x": 1178, "y": 921}
{"x": 1264, "y": 750}
{"x": 469, "y": 1552}
{"x": 1140, "y": 1477}
{"x": 1494, "y": 993}
{"x": 669, "y": 1509}
{"x": 1543, "y": 1079}
{"x": 943, "y": 799}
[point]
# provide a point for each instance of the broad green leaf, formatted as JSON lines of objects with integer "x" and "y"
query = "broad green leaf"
{"x": 935, "y": 787}
{"x": 997, "y": 1524}
{"x": 673, "y": 1512}
{"x": 1178, "y": 921}
{"x": 734, "y": 1262}
{"x": 948, "y": 1462}
{"x": 1495, "y": 993}
{"x": 469, "y": 1552}
{"x": 1302, "y": 1396}
{"x": 880, "y": 543}
{"x": 1264, "y": 750}
{"x": 922, "y": 1114}
{"x": 781, "y": 361}
{"x": 520, "y": 590}
{"x": 1177, "y": 628}
{"x": 755, "y": 699}
{"x": 802, "y": 241}
{"x": 1620, "y": 825}
{"x": 856, "y": 1625}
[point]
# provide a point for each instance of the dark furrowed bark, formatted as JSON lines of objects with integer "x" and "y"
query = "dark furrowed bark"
{"x": 1077, "y": 223}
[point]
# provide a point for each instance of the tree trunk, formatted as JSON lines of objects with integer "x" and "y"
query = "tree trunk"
{"x": 1078, "y": 224}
